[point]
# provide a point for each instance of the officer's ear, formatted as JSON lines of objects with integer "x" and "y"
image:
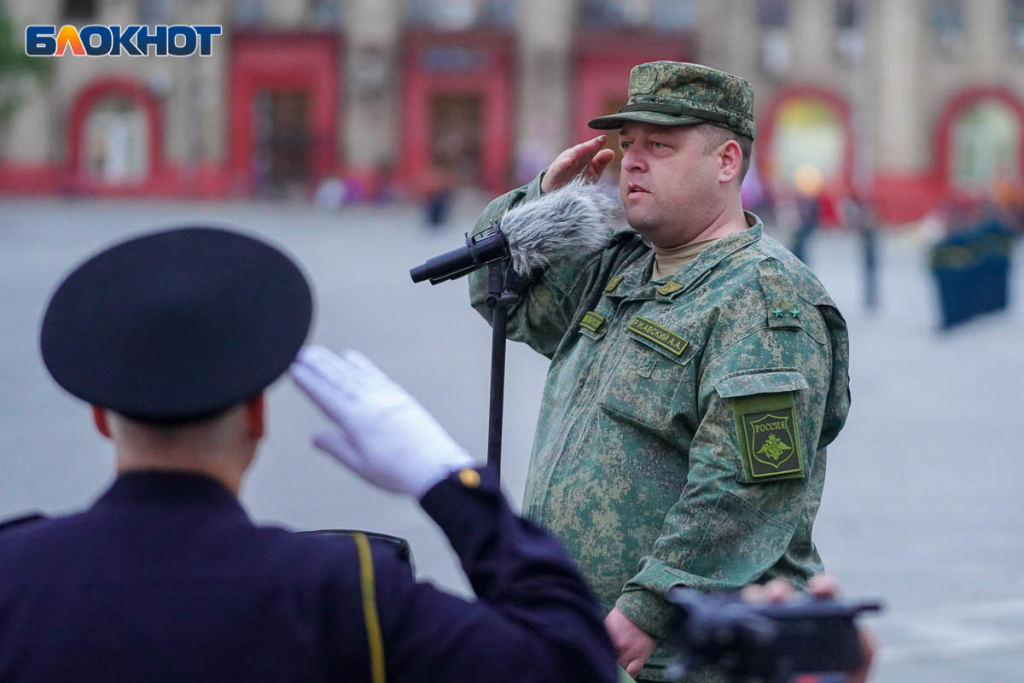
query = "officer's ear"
{"x": 99, "y": 418}
{"x": 254, "y": 416}
{"x": 730, "y": 161}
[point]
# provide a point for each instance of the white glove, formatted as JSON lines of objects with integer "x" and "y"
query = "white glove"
{"x": 386, "y": 436}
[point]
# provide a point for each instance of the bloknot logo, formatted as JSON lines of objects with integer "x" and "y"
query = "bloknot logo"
{"x": 134, "y": 40}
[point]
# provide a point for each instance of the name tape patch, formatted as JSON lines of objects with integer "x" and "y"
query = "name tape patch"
{"x": 659, "y": 335}
{"x": 592, "y": 321}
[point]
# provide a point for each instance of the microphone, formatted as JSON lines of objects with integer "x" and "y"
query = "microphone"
{"x": 577, "y": 218}
{"x": 487, "y": 245}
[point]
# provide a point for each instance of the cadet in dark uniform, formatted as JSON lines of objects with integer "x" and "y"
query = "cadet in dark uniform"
{"x": 172, "y": 338}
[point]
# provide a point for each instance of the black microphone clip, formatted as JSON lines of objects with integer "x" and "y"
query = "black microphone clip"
{"x": 482, "y": 248}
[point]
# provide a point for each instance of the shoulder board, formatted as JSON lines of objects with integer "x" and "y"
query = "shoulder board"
{"x": 8, "y": 524}
{"x": 782, "y": 305}
{"x": 801, "y": 278}
{"x": 397, "y": 543}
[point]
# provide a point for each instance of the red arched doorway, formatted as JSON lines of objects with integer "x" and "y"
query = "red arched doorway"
{"x": 458, "y": 107}
{"x": 116, "y": 138}
{"x": 806, "y": 126}
{"x": 980, "y": 141}
{"x": 284, "y": 111}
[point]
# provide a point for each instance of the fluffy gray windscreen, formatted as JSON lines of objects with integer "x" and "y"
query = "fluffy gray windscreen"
{"x": 577, "y": 218}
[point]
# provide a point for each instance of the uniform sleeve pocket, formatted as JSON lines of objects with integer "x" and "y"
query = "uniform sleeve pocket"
{"x": 767, "y": 424}
{"x": 749, "y": 383}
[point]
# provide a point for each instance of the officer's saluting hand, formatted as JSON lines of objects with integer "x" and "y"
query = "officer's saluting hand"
{"x": 386, "y": 436}
{"x": 587, "y": 160}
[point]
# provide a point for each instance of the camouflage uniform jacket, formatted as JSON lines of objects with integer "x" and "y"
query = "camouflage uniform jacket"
{"x": 681, "y": 438}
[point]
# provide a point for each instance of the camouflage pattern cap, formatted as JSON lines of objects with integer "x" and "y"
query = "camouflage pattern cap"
{"x": 681, "y": 94}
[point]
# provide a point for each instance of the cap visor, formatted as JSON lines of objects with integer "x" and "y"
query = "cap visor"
{"x": 651, "y": 117}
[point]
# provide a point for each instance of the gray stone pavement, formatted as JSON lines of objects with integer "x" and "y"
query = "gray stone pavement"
{"x": 922, "y": 505}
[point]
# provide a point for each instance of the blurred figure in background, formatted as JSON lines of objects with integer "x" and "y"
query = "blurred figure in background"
{"x": 809, "y": 184}
{"x": 437, "y": 189}
{"x": 446, "y": 172}
{"x": 758, "y": 196}
{"x": 859, "y": 217}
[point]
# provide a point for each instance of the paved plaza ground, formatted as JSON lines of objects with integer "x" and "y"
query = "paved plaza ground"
{"x": 923, "y": 505}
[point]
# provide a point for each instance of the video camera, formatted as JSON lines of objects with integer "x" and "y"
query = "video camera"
{"x": 767, "y": 643}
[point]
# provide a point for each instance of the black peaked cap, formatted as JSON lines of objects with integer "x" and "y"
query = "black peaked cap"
{"x": 176, "y": 325}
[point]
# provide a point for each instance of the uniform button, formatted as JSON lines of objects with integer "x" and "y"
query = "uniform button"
{"x": 469, "y": 478}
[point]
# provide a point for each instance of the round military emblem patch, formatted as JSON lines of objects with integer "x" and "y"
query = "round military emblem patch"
{"x": 642, "y": 80}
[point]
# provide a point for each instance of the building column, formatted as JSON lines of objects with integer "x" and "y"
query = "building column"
{"x": 545, "y": 39}
{"x": 371, "y": 64}
{"x": 812, "y": 34}
{"x": 986, "y": 38}
{"x": 289, "y": 15}
{"x": 718, "y": 23}
{"x": 210, "y": 98}
{"x": 26, "y": 137}
{"x": 904, "y": 139}
{"x": 903, "y": 132}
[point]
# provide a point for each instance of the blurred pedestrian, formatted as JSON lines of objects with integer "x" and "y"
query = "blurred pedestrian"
{"x": 437, "y": 188}
{"x": 859, "y": 218}
{"x": 172, "y": 338}
{"x": 809, "y": 185}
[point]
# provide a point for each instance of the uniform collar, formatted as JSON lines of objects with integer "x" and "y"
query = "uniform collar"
{"x": 635, "y": 287}
{"x": 168, "y": 489}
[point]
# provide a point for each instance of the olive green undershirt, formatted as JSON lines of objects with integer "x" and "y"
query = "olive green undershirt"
{"x": 667, "y": 262}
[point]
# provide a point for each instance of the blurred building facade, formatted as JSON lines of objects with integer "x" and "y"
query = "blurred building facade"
{"x": 909, "y": 102}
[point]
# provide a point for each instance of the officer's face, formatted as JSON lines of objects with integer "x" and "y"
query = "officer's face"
{"x": 668, "y": 185}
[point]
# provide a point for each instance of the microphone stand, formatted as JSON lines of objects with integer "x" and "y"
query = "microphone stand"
{"x": 500, "y": 295}
{"x": 488, "y": 247}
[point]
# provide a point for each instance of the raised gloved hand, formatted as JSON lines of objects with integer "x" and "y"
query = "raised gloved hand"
{"x": 386, "y": 436}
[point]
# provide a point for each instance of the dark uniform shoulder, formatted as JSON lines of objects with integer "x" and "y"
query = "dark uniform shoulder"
{"x": 383, "y": 545}
{"x": 8, "y": 524}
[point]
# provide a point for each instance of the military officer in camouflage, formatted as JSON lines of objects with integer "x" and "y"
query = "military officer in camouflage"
{"x": 698, "y": 369}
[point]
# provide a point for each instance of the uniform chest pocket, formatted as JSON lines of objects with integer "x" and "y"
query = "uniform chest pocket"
{"x": 648, "y": 384}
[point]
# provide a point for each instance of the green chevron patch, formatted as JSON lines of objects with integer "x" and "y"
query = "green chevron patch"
{"x": 613, "y": 283}
{"x": 670, "y": 288}
{"x": 592, "y": 321}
